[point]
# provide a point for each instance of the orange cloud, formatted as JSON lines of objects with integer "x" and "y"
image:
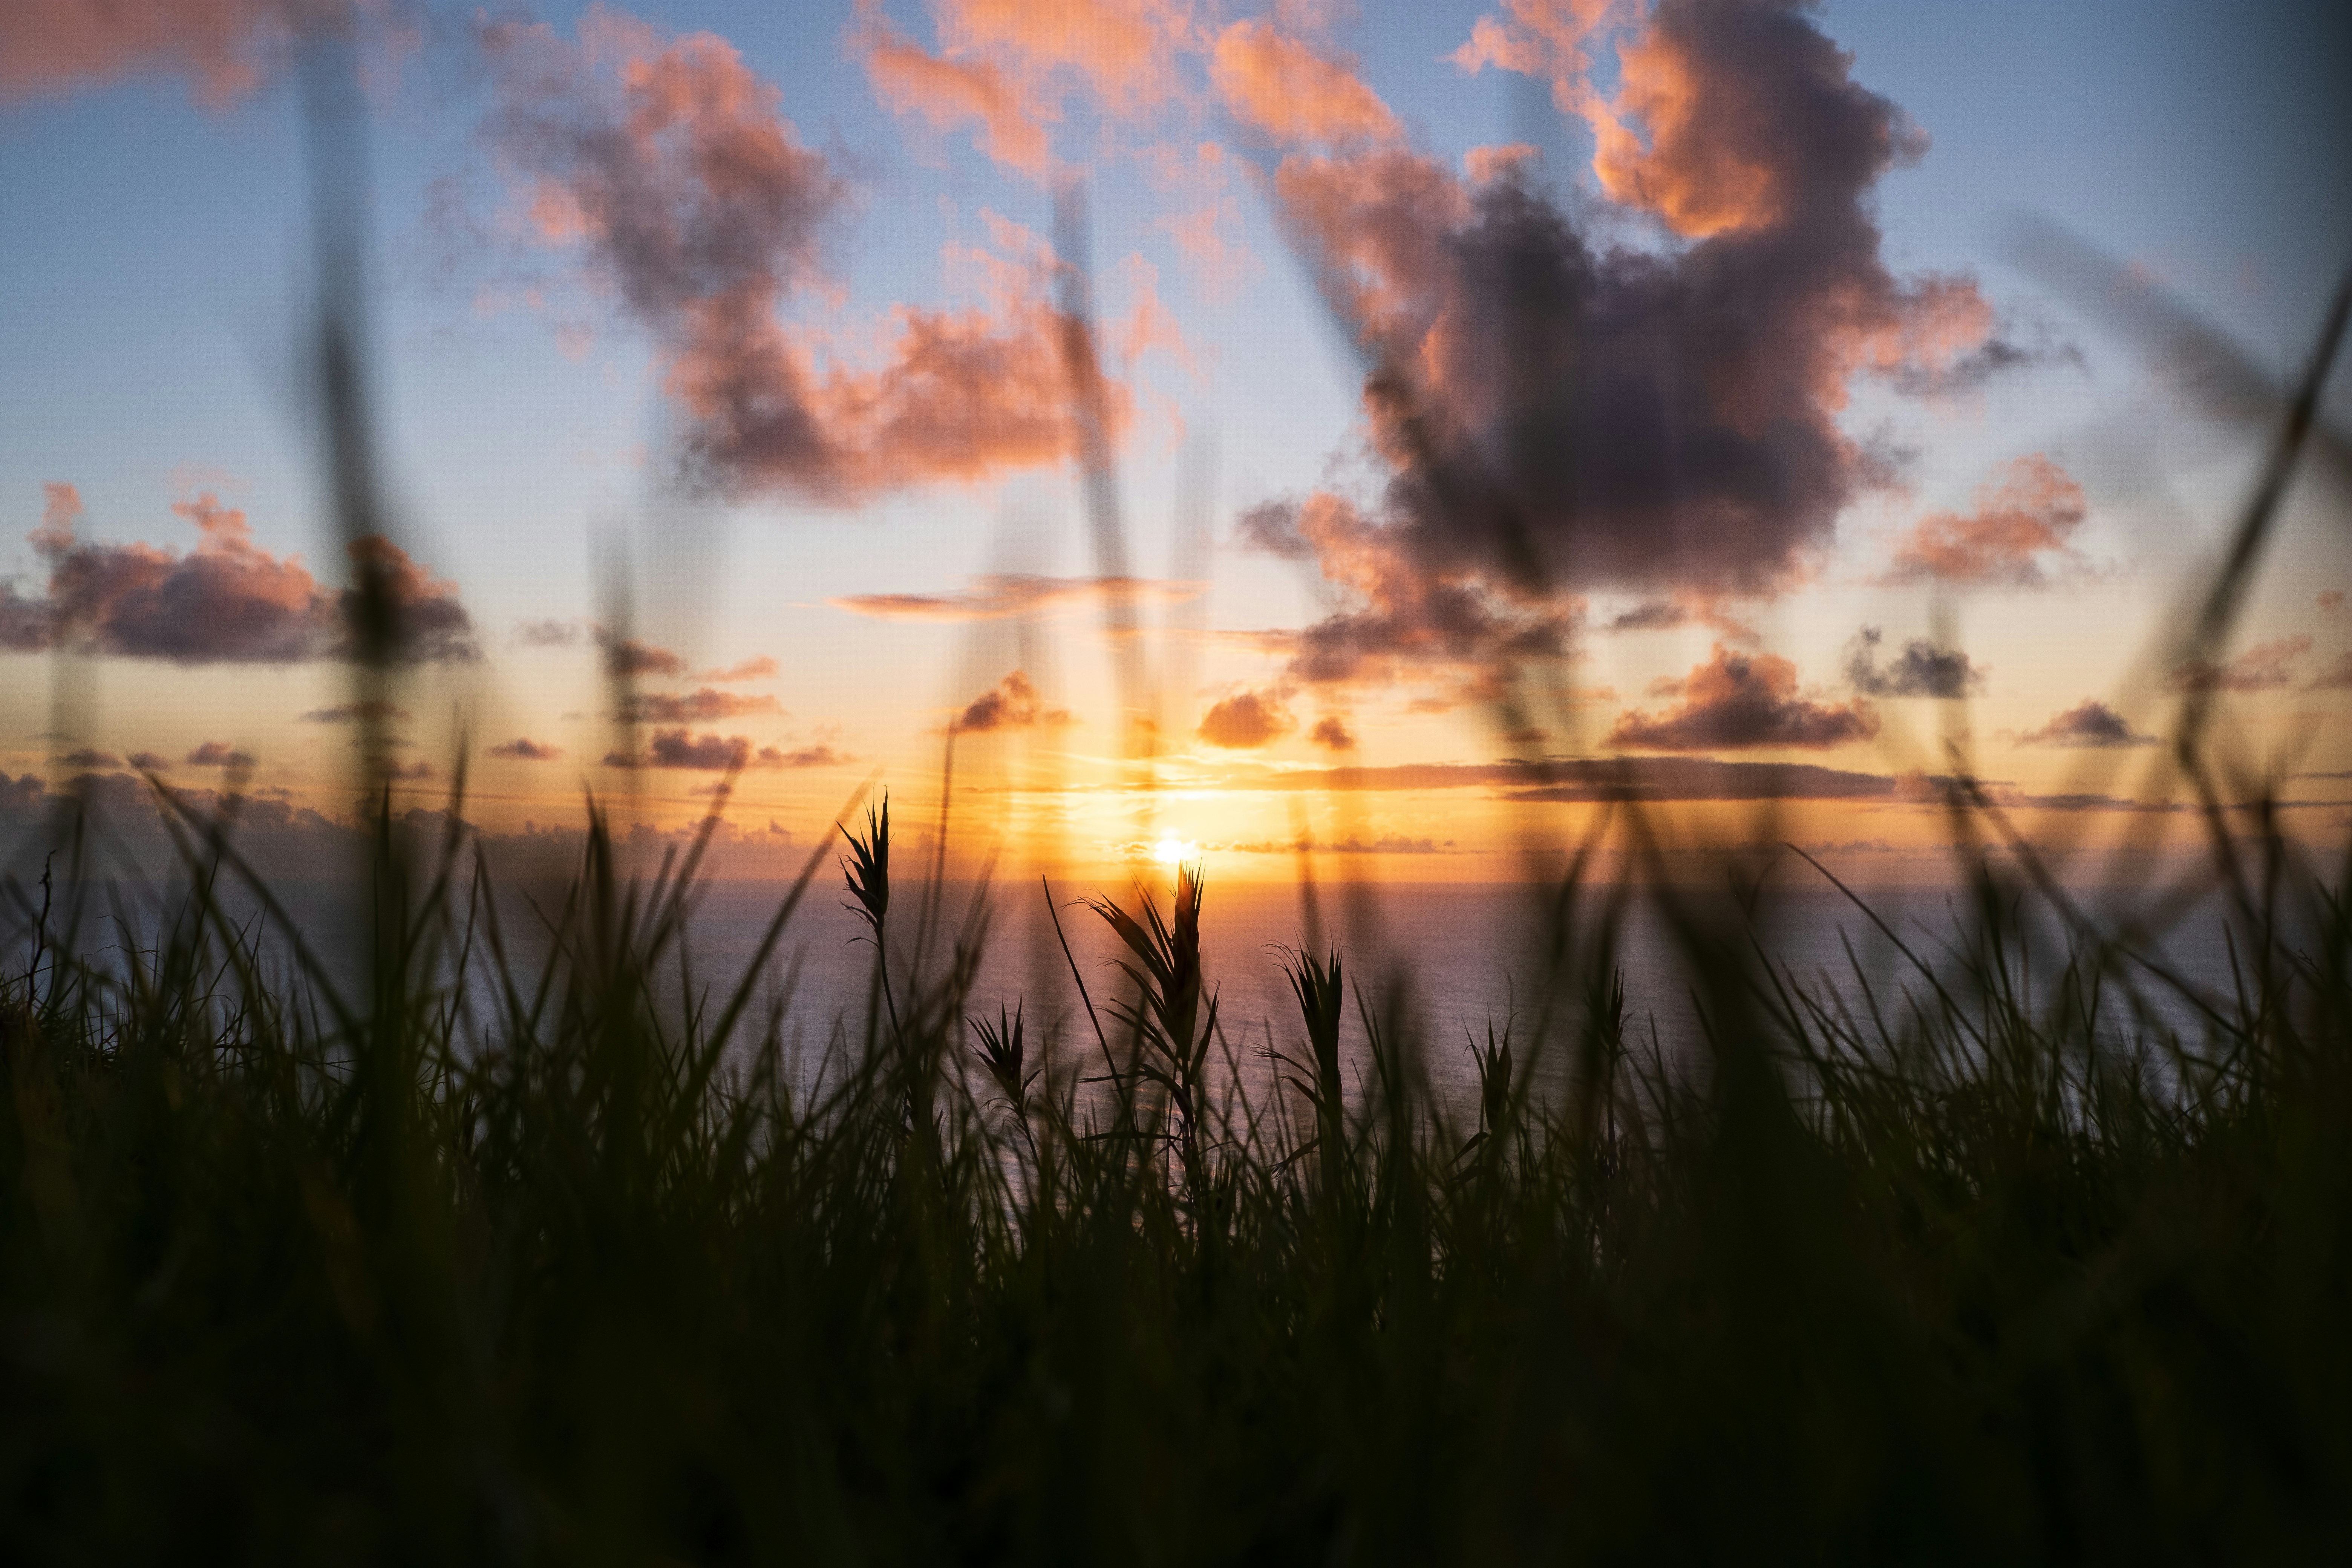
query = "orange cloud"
{"x": 1012, "y": 703}
{"x": 1246, "y": 720}
{"x": 1281, "y": 87}
{"x": 224, "y": 46}
{"x": 2024, "y": 522}
{"x": 1542, "y": 39}
{"x": 668, "y": 163}
{"x": 997, "y": 597}
{"x": 951, "y": 93}
{"x": 1002, "y": 64}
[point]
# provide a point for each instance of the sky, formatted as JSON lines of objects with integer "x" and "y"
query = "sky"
{"x": 1473, "y": 409}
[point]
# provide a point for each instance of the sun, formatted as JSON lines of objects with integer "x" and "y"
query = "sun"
{"x": 1174, "y": 851}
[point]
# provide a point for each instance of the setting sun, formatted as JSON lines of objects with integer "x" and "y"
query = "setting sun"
{"x": 1174, "y": 851}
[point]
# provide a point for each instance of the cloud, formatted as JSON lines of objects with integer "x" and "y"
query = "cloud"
{"x": 1739, "y": 701}
{"x": 1921, "y": 669}
{"x": 667, "y": 165}
{"x": 1246, "y": 720}
{"x": 1002, "y": 66}
{"x": 1332, "y": 734}
{"x": 997, "y": 597}
{"x": 88, "y": 757}
{"x": 2337, "y": 677}
{"x": 714, "y": 754}
{"x": 703, "y": 705}
{"x": 524, "y": 750}
{"x": 1595, "y": 778}
{"x": 225, "y": 48}
{"x": 151, "y": 762}
{"x": 951, "y": 93}
{"x": 756, "y": 668}
{"x": 1282, "y": 88}
{"x": 2089, "y": 722}
{"x": 1661, "y": 417}
{"x": 1354, "y": 844}
{"x": 228, "y": 601}
{"x": 2020, "y": 530}
{"x": 1397, "y": 621}
{"x": 376, "y": 708}
{"x": 1011, "y": 704}
{"x": 628, "y": 656}
{"x": 2266, "y": 666}
{"x": 218, "y": 755}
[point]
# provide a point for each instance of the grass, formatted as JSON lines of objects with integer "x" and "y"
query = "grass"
{"x": 1974, "y": 1272}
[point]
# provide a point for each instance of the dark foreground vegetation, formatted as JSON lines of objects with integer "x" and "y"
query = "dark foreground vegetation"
{"x": 1950, "y": 1272}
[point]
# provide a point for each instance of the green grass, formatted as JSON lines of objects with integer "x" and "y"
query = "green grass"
{"x": 1957, "y": 1274}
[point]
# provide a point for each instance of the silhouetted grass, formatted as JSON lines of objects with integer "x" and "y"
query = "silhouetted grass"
{"x": 1965, "y": 1271}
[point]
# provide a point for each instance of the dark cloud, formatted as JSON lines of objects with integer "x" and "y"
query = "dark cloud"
{"x": 684, "y": 750}
{"x": 377, "y": 708}
{"x": 1649, "y": 616}
{"x": 2089, "y": 722}
{"x": 1011, "y": 704}
{"x": 704, "y": 706}
{"x": 1737, "y": 701}
{"x": 2266, "y": 666}
{"x": 218, "y": 755}
{"x": 151, "y": 762}
{"x": 228, "y": 601}
{"x": 1595, "y": 778}
{"x": 88, "y": 757}
{"x": 1659, "y": 418}
{"x": 524, "y": 750}
{"x": 628, "y": 656}
{"x": 1246, "y": 720}
{"x": 1401, "y": 622}
{"x": 1921, "y": 668}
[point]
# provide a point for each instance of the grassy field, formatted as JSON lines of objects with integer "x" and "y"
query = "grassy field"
{"x": 1961, "y": 1274}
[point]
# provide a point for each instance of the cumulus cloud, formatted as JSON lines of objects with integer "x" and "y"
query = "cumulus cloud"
{"x": 668, "y": 166}
{"x": 522, "y": 749}
{"x": 91, "y": 757}
{"x": 151, "y": 762}
{"x": 2017, "y": 537}
{"x": 1012, "y": 703}
{"x": 1659, "y": 418}
{"x": 2089, "y": 722}
{"x": 1737, "y": 701}
{"x": 704, "y": 706}
{"x": 2266, "y": 666}
{"x": 712, "y": 753}
{"x": 998, "y": 597}
{"x": 1246, "y": 720}
{"x": 228, "y": 601}
{"x": 1284, "y": 88}
{"x": 1921, "y": 668}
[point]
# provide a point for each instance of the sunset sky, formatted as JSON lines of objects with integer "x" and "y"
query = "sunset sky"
{"x": 1491, "y": 390}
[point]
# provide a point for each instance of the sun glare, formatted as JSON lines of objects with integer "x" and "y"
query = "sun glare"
{"x": 1174, "y": 851}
